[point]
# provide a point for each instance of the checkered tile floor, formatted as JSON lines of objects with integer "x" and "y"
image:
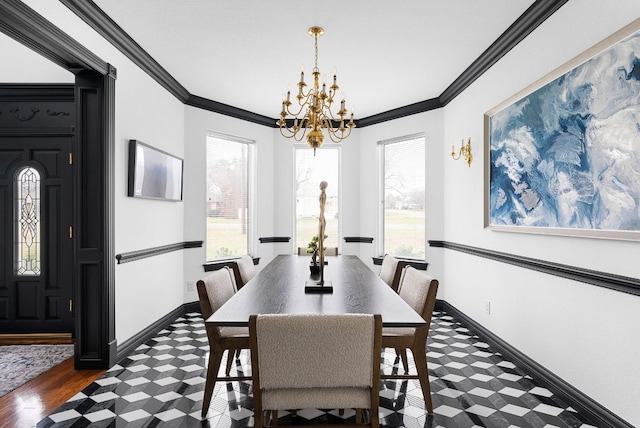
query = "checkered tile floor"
{"x": 161, "y": 385}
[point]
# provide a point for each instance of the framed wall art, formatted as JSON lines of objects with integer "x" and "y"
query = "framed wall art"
{"x": 153, "y": 173}
{"x": 563, "y": 155}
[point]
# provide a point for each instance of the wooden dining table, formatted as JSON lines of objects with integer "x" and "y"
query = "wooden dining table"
{"x": 279, "y": 288}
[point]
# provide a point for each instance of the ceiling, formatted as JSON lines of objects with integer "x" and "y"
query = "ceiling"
{"x": 246, "y": 53}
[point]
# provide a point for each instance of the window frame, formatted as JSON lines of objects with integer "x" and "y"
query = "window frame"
{"x": 251, "y": 197}
{"x": 18, "y": 227}
{"x": 380, "y": 248}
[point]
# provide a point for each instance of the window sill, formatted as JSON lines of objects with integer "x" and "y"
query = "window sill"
{"x": 418, "y": 264}
{"x": 219, "y": 264}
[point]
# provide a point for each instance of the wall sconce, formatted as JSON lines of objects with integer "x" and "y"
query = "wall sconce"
{"x": 465, "y": 150}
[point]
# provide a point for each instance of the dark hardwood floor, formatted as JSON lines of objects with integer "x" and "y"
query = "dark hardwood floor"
{"x": 33, "y": 401}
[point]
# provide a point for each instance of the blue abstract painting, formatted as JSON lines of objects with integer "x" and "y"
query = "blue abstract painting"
{"x": 567, "y": 155}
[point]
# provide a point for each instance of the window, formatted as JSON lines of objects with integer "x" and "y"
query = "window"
{"x": 310, "y": 170}
{"x": 403, "y": 197}
{"x": 230, "y": 210}
{"x": 27, "y": 224}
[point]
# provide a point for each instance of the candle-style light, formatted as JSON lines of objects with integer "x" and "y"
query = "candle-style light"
{"x": 313, "y": 112}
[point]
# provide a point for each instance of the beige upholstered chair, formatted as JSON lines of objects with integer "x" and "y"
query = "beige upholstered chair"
{"x": 213, "y": 291}
{"x": 391, "y": 270}
{"x": 244, "y": 270}
{"x": 315, "y": 361}
{"x": 330, "y": 251}
{"x": 419, "y": 290}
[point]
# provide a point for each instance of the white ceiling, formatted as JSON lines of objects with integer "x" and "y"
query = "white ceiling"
{"x": 246, "y": 53}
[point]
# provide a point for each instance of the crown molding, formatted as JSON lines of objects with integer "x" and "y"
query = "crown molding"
{"x": 535, "y": 15}
{"x": 397, "y": 113}
{"x": 95, "y": 17}
{"x": 26, "y": 26}
{"x": 227, "y": 110}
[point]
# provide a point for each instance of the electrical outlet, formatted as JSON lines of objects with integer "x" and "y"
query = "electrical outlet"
{"x": 487, "y": 307}
{"x": 191, "y": 286}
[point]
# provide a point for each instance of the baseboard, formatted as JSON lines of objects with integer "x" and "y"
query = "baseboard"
{"x": 141, "y": 337}
{"x": 36, "y": 339}
{"x": 574, "y": 397}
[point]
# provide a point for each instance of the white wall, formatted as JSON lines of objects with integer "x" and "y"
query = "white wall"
{"x": 22, "y": 65}
{"x": 585, "y": 334}
{"x": 197, "y": 123}
{"x": 145, "y": 290}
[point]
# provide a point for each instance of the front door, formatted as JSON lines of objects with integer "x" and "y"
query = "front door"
{"x": 36, "y": 246}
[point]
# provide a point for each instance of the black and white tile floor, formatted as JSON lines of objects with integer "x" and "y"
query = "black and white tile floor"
{"x": 161, "y": 385}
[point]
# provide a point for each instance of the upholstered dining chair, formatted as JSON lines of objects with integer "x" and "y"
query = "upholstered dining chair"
{"x": 419, "y": 290}
{"x": 315, "y": 361}
{"x": 213, "y": 291}
{"x": 244, "y": 270}
{"x": 329, "y": 251}
{"x": 390, "y": 271}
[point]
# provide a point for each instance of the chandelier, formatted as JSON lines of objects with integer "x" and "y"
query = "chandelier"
{"x": 314, "y": 109}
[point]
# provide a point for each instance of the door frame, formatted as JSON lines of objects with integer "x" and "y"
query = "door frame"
{"x": 94, "y": 256}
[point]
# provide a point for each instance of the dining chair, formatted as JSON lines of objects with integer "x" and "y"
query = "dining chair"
{"x": 419, "y": 290}
{"x": 389, "y": 271}
{"x": 329, "y": 251}
{"x": 315, "y": 361}
{"x": 244, "y": 270}
{"x": 213, "y": 291}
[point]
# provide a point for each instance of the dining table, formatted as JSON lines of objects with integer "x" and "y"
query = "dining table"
{"x": 279, "y": 288}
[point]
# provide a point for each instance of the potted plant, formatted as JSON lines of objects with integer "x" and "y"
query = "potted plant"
{"x": 312, "y": 249}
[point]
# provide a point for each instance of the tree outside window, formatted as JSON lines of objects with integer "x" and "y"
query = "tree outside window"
{"x": 310, "y": 170}
{"x": 229, "y": 207}
{"x": 403, "y": 197}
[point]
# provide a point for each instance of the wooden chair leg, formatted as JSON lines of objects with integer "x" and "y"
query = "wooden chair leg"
{"x": 230, "y": 354}
{"x": 420, "y": 358}
{"x": 403, "y": 357}
{"x": 358, "y": 416}
{"x": 215, "y": 358}
{"x": 374, "y": 419}
{"x": 341, "y": 412}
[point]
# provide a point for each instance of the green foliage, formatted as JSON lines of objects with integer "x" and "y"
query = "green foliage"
{"x": 406, "y": 251}
{"x": 313, "y": 245}
{"x": 224, "y": 252}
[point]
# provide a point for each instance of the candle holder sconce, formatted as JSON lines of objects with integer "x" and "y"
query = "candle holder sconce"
{"x": 465, "y": 151}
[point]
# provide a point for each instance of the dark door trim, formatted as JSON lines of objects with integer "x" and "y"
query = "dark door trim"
{"x": 93, "y": 256}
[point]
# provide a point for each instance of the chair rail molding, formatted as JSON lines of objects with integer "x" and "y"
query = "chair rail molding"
{"x": 611, "y": 281}
{"x": 155, "y": 251}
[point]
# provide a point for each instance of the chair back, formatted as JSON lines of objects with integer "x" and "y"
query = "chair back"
{"x": 215, "y": 289}
{"x": 391, "y": 270}
{"x": 316, "y": 361}
{"x": 329, "y": 251}
{"x": 244, "y": 270}
{"x": 419, "y": 290}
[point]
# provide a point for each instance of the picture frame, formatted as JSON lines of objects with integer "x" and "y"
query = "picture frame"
{"x": 153, "y": 173}
{"x": 562, "y": 156}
